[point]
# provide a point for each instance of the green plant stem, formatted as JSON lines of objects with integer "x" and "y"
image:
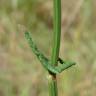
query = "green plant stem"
{"x": 53, "y": 90}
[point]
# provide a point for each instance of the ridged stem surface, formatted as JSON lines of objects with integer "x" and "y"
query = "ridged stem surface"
{"x": 53, "y": 90}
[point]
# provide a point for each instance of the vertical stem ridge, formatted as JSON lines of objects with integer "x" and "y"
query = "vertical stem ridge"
{"x": 57, "y": 31}
{"x": 52, "y": 86}
{"x": 53, "y": 90}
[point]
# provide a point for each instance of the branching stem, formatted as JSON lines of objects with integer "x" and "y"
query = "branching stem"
{"x": 53, "y": 91}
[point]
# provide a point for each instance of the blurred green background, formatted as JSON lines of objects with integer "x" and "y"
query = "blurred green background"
{"x": 21, "y": 74}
